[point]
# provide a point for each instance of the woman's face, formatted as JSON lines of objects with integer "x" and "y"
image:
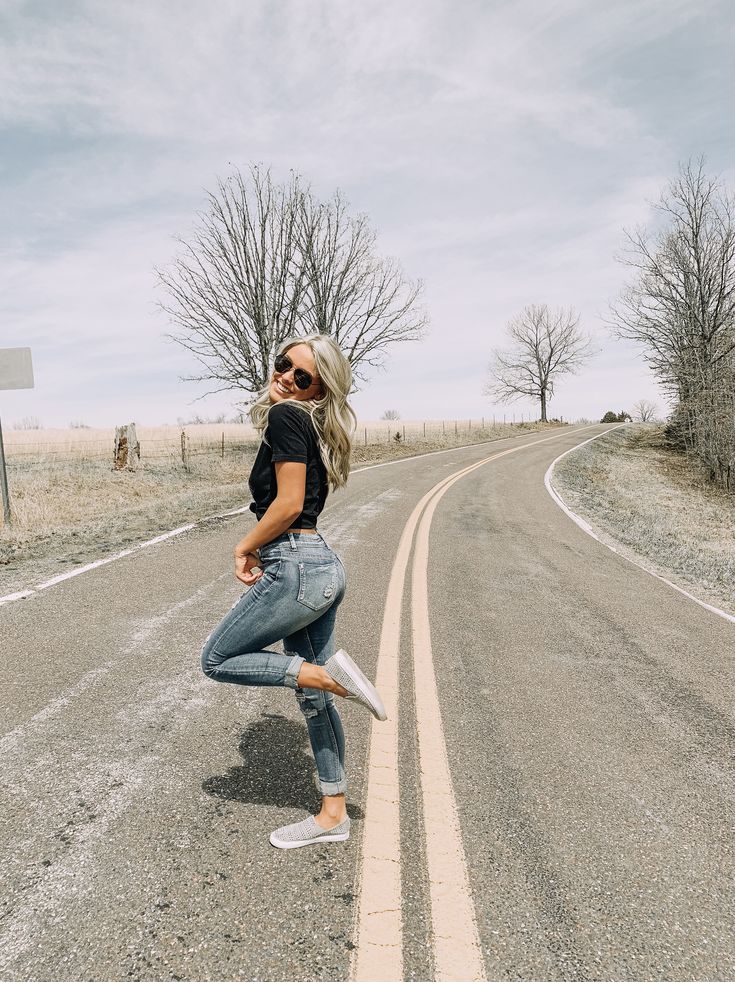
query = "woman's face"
{"x": 283, "y": 384}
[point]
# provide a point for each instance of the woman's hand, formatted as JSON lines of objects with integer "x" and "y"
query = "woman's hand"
{"x": 247, "y": 567}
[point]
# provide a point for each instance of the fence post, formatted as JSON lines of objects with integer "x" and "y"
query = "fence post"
{"x": 223, "y": 446}
{"x": 424, "y": 428}
{"x": 443, "y": 427}
{"x": 455, "y": 427}
{"x": 366, "y": 436}
{"x": 126, "y": 452}
{"x": 4, "y": 482}
{"x": 184, "y": 450}
{"x": 404, "y": 432}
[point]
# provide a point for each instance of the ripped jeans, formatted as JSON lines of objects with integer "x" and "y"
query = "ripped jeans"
{"x": 295, "y": 600}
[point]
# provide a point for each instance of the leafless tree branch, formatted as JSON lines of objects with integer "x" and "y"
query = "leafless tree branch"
{"x": 680, "y": 307}
{"x": 268, "y": 261}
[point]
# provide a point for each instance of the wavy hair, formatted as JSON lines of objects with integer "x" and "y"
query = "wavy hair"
{"x": 333, "y": 418}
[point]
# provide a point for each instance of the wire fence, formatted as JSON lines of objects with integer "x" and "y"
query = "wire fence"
{"x": 230, "y": 440}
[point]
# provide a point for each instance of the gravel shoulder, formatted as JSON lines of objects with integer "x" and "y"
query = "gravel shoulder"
{"x": 655, "y": 506}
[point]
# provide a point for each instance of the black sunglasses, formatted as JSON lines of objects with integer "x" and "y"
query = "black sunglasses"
{"x": 301, "y": 377}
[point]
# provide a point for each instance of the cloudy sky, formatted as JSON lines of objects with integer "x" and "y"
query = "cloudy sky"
{"x": 498, "y": 148}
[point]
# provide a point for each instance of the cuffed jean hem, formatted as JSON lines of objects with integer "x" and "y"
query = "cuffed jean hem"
{"x": 333, "y": 787}
{"x": 292, "y": 672}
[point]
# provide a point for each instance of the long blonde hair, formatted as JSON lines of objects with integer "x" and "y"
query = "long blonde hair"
{"x": 333, "y": 418}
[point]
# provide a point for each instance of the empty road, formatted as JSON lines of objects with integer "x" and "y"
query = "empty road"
{"x": 551, "y": 798}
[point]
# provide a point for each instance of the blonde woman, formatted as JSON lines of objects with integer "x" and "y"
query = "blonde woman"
{"x": 296, "y": 582}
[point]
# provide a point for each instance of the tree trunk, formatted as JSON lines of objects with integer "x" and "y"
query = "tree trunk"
{"x": 543, "y": 406}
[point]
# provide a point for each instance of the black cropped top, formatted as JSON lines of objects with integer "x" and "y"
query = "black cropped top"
{"x": 289, "y": 435}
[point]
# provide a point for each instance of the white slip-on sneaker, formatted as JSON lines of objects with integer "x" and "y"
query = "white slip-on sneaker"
{"x": 344, "y": 670}
{"x": 307, "y": 833}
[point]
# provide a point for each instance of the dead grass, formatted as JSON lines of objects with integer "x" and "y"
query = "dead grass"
{"x": 71, "y": 508}
{"x": 658, "y": 506}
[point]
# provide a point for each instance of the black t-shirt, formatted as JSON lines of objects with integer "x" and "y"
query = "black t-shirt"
{"x": 291, "y": 435}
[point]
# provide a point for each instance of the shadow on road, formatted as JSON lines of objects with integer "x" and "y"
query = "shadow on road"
{"x": 278, "y": 770}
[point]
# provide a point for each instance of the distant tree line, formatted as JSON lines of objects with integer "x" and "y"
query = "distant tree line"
{"x": 680, "y": 307}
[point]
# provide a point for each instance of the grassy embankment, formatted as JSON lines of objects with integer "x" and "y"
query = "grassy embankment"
{"x": 656, "y": 506}
{"x": 70, "y": 507}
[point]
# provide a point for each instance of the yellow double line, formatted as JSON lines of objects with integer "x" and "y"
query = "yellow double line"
{"x": 378, "y": 953}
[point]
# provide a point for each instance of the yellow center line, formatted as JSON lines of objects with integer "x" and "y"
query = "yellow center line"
{"x": 378, "y": 953}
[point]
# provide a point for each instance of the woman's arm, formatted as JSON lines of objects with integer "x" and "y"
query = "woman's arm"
{"x": 280, "y": 514}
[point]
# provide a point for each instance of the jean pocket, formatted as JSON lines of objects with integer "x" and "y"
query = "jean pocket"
{"x": 318, "y": 583}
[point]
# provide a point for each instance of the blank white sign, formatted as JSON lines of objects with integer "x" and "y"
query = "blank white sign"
{"x": 16, "y": 369}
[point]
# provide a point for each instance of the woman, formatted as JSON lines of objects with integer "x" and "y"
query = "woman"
{"x": 296, "y": 581}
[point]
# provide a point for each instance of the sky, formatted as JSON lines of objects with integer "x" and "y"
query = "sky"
{"x": 499, "y": 150}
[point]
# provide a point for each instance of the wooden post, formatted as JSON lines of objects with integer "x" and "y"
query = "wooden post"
{"x": 126, "y": 452}
{"x": 223, "y": 446}
{"x": 455, "y": 427}
{"x": 443, "y": 427}
{"x": 404, "y": 432}
{"x": 424, "y": 427}
{"x": 184, "y": 450}
{"x": 4, "y": 482}
{"x": 366, "y": 436}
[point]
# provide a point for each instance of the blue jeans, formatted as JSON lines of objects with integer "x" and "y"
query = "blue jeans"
{"x": 295, "y": 600}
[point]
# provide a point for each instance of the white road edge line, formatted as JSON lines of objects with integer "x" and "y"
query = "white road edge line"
{"x": 30, "y": 591}
{"x": 590, "y": 531}
{"x": 378, "y": 951}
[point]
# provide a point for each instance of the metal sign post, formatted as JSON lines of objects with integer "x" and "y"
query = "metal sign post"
{"x": 16, "y": 372}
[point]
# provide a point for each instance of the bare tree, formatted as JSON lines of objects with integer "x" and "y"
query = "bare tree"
{"x": 681, "y": 304}
{"x": 391, "y": 414}
{"x": 644, "y": 411}
{"x": 681, "y": 308}
{"x": 268, "y": 261}
{"x": 545, "y": 345}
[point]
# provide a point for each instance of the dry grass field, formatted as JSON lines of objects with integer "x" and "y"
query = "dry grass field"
{"x": 658, "y": 507}
{"x": 69, "y": 507}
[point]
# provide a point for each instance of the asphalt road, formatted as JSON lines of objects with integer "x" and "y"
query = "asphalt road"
{"x": 589, "y": 723}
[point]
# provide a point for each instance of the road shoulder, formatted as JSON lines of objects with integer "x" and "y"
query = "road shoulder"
{"x": 654, "y": 507}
